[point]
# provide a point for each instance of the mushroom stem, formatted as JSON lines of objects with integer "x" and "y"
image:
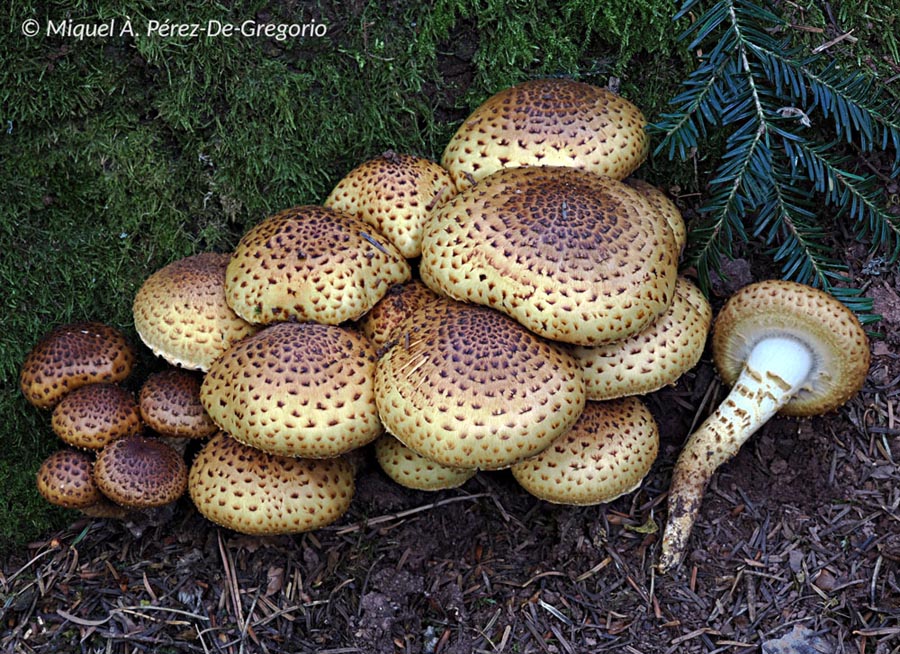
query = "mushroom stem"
{"x": 775, "y": 370}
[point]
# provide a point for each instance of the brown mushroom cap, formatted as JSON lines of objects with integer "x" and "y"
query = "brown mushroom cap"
{"x": 66, "y": 479}
{"x": 71, "y": 356}
{"x": 395, "y": 193}
{"x": 549, "y": 122}
{"x": 606, "y": 454}
{"x": 311, "y": 263}
{"x": 574, "y": 257}
{"x": 170, "y": 405}
{"x": 384, "y": 324}
{"x": 413, "y": 470}
{"x": 252, "y": 492}
{"x": 181, "y": 314}
{"x": 661, "y": 203}
{"x": 140, "y": 472}
{"x": 296, "y": 389}
{"x": 96, "y": 414}
{"x": 654, "y": 357}
{"x": 837, "y": 341}
{"x": 474, "y": 389}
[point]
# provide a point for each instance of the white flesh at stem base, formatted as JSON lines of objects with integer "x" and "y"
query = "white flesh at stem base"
{"x": 775, "y": 370}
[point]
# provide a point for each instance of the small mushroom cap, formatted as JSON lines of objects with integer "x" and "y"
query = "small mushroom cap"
{"x": 140, "y": 472}
{"x": 574, "y": 257}
{"x": 385, "y": 323}
{"x": 170, "y": 405}
{"x": 549, "y": 122}
{"x": 605, "y": 455}
{"x": 833, "y": 334}
{"x": 71, "y": 356}
{"x": 395, "y": 193}
{"x": 66, "y": 479}
{"x": 311, "y": 263}
{"x": 654, "y": 357}
{"x": 181, "y": 314}
{"x": 252, "y": 492}
{"x": 664, "y": 206}
{"x": 413, "y": 470}
{"x": 472, "y": 388}
{"x": 96, "y": 414}
{"x": 296, "y": 389}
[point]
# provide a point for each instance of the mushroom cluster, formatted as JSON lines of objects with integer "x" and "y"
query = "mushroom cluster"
{"x": 499, "y": 310}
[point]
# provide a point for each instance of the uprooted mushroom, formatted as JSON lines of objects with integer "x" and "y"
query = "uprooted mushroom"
{"x": 784, "y": 347}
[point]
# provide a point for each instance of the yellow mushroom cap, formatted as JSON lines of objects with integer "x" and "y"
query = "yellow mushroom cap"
{"x": 71, "y": 356}
{"x": 413, "y": 470}
{"x": 311, "y": 263}
{"x": 140, "y": 472}
{"x": 605, "y": 455}
{"x": 96, "y": 414}
{"x": 66, "y": 479}
{"x": 472, "y": 388}
{"x": 385, "y": 323}
{"x": 181, "y": 314}
{"x": 296, "y": 389}
{"x": 253, "y": 492}
{"x": 170, "y": 405}
{"x": 661, "y": 203}
{"x": 574, "y": 257}
{"x": 549, "y": 122}
{"x": 395, "y": 193}
{"x": 829, "y": 330}
{"x": 654, "y": 357}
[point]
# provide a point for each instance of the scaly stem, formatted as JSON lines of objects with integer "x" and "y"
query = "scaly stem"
{"x": 775, "y": 370}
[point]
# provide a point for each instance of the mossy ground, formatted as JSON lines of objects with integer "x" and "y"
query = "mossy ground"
{"x": 123, "y": 153}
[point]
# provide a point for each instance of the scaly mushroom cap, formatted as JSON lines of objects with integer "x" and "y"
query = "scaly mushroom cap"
{"x": 549, "y": 122}
{"x": 311, "y": 263}
{"x": 384, "y": 324}
{"x": 395, "y": 193}
{"x": 181, "y": 314}
{"x": 606, "y": 454}
{"x": 296, "y": 389}
{"x": 654, "y": 357}
{"x": 413, "y": 470}
{"x": 96, "y": 414}
{"x": 140, "y": 472}
{"x": 71, "y": 356}
{"x": 661, "y": 203}
{"x": 574, "y": 257}
{"x": 474, "y": 389}
{"x": 66, "y": 479}
{"x": 252, "y": 492}
{"x": 838, "y": 343}
{"x": 170, "y": 405}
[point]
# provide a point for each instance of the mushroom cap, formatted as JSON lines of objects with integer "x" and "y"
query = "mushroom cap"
{"x": 96, "y": 414}
{"x": 66, "y": 479}
{"x": 472, "y": 388}
{"x": 663, "y": 206}
{"x": 413, "y": 470}
{"x": 71, "y": 356}
{"x": 253, "y": 492}
{"x": 170, "y": 405}
{"x": 605, "y": 455}
{"x": 574, "y": 257}
{"x": 395, "y": 193}
{"x": 833, "y": 334}
{"x": 181, "y": 314}
{"x": 654, "y": 357}
{"x": 296, "y": 389}
{"x": 549, "y": 122}
{"x": 140, "y": 472}
{"x": 384, "y": 324}
{"x": 311, "y": 263}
